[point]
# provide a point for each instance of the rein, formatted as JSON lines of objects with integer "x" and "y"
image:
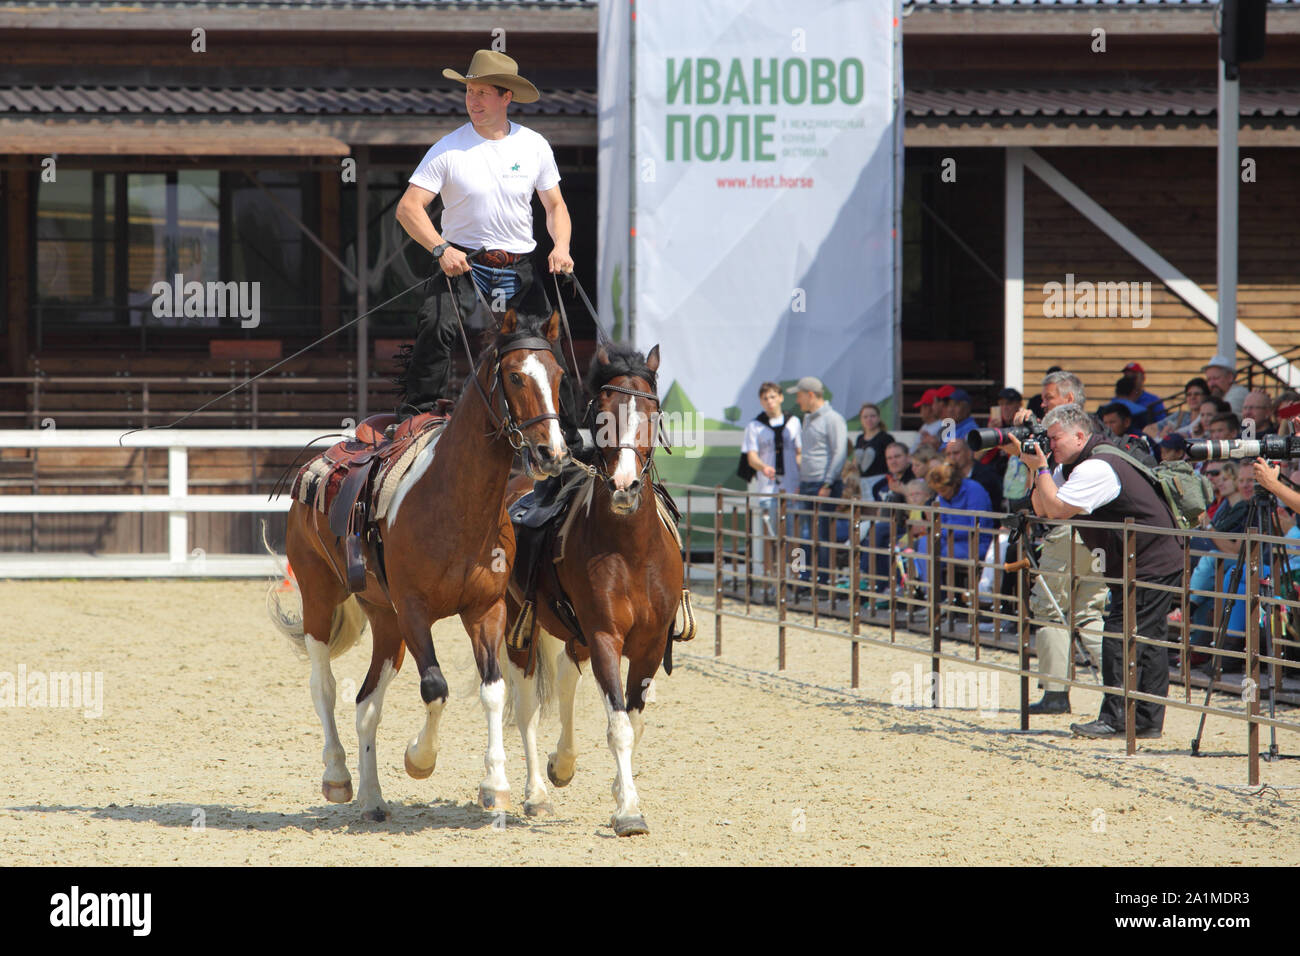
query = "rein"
{"x": 505, "y": 425}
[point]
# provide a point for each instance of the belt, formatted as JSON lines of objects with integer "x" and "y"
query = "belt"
{"x": 497, "y": 258}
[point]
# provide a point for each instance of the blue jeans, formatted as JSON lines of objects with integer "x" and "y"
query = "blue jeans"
{"x": 805, "y": 517}
{"x": 501, "y": 283}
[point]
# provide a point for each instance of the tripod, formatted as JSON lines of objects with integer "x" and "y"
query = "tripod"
{"x": 1260, "y": 516}
{"x": 1019, "y": 525}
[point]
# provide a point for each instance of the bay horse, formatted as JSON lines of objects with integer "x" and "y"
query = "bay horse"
{"x": 621, "y": 570}
{"x": 448, "y": 546}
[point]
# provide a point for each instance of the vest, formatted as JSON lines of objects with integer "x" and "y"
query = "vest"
{"x": 1158, "y": 556}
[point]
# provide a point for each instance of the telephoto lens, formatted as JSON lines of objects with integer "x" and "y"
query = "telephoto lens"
{"x": 982, "y": 438}
{"x": 1270, "y": 446}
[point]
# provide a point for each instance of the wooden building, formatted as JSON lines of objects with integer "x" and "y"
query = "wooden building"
{"x": 1082, "y": 140}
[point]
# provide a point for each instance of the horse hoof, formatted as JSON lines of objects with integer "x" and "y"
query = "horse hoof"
{"x": 377, "y": 815}
{"x": 419, "y": 773}
{"x": 490, "y": 799}
{"x": 629, "y": 826}
{"x": 550, "y": 772}
{"x": 542, "y": 809}
{"x": 337, "y": 792}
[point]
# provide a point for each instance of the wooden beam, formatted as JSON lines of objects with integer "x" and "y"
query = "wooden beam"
{"x": 1078, "y": 21}
{"x": 127, "y": 136}
{"x": 1013, "y": 362}
{"x": 1068, "y": 131}
{"x": 19, "y": 249}
{"x": 390, "y": 22}
{"x": 261, "y": 136}
{"x": 329, "y": 234}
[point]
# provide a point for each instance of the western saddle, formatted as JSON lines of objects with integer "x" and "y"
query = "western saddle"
{"x": 348, "y": 482}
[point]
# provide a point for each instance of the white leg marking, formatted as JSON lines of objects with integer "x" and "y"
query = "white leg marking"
{"x": 621, "y": 739}
{"x": 565, "y": 758}
{"x": 422, "y": 751}
{"x": 493, "y": 698}
{"x": 368, "y": 713}
{"x": 533, "y": 368}
{"x": 336, "y": 780}
{"x": 528, "y": 710}
{"x": 637, "y": 717}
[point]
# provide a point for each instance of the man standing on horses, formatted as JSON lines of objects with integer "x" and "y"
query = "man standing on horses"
{"x": 486, "y": 172}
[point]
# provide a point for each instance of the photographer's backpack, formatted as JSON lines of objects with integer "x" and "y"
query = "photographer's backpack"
{"x": 1186, "y": 491}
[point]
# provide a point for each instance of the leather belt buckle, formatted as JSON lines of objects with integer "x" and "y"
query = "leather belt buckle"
{"x": 499, "y": 258}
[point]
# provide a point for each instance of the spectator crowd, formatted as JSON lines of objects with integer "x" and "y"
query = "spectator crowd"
{"x": 813, "y": 457}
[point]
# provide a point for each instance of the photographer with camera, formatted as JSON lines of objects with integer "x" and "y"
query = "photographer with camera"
{"x": 1270, "y": 477}
{"x": 1052, "y": 595}
{"x": 1106, "y": 488}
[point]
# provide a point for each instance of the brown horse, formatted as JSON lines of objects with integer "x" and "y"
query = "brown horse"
{"x": 621, "y": 569}
{"x": 448, "y": 546}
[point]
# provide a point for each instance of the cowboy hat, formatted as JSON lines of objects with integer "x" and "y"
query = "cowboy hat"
{"x": 498, "y": 70}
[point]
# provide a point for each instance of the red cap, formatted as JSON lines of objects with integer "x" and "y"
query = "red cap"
{"x": 944, "y": 392}
{"x": 927, "y": 398}
{"x": 1134, "y": 367}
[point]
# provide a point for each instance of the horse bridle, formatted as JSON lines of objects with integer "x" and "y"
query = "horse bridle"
{"x": 601, "y": 470}
{"x": 506, "y": 426}
{"x": 514, "y": 431}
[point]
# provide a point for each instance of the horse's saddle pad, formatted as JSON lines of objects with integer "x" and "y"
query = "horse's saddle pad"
{"x": 333, "y": 482}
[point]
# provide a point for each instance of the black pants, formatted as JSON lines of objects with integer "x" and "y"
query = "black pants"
{"x": 1152, "y": 662}
{"x": 437, "y": 339}
{"x": 428, "y": 374}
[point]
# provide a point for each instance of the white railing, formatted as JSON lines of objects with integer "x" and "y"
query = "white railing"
{"x": 178, "y": 503}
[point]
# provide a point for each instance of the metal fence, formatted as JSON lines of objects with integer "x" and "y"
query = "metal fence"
{"x": 820, "y": 583}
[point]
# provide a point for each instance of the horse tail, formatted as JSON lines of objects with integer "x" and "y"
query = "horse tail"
{"x": 284, "y": 607}
{"x": 549, "y": 650}
{"x": 545, "y": 657}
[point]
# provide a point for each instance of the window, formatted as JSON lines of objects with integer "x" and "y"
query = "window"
{"x": 110, "y": 246}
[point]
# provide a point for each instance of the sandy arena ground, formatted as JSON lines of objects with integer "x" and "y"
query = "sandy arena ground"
{"x": 207, "y": 719}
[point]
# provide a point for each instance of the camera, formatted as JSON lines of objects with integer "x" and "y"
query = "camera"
{"x": 1032, "y": 437}
{"x": 1269, "y": 446}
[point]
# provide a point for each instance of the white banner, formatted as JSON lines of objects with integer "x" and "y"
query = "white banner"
{"x": 614, "y": 135}
{"x": 763, "y": 182}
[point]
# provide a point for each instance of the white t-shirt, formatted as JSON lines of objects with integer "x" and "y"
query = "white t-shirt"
{"x": 1092, "y": 484}
{"x": 487, "y": 186}
{"x": 934, "y": 428}
{"x": 759, "y": 438}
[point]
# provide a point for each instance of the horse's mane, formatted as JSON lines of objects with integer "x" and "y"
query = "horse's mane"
{"x": 624, "y": 359}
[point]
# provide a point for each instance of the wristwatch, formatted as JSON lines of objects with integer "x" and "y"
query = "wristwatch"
{"x": 439, "y": 250}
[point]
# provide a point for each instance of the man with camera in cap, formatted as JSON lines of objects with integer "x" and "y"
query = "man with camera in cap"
{"x": 486, "y": 173}
{"x": 1093, "y": 487}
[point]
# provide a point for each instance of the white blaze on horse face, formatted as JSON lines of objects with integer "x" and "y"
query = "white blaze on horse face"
{"x": 626, "y": 471}
{"x": 534, "y": 369}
